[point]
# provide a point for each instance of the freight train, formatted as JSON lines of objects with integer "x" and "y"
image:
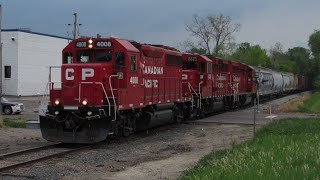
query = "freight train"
{"x": 115, "y": 87}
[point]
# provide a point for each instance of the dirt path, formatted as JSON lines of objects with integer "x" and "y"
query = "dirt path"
{"x": 168, "y": 158}
{"x": 207, "y": 139}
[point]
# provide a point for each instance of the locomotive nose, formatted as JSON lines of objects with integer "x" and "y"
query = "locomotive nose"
{"x": 84, "y": 84}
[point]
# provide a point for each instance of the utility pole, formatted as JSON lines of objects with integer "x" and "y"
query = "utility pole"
{"x": 75, "y": 26}
{"x": 1, "y": 117}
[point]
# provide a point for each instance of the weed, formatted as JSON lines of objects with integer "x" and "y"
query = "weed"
{"x": 15, "y": 123}
{"x": 294, "y": 104}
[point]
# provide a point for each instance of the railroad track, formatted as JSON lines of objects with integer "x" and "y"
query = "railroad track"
{"x": 22, "y": 158}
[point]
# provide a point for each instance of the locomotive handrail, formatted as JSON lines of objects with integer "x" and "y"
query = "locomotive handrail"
{"x": 199, "y": 105}
{"x": 50, "y": 71}
{"x": 191, "y": 89}
{"x": 51, "y": 85}
{"x": 104, "y": 91}
{"x": 235, "y": 91}
{"x": 113, "y": 98}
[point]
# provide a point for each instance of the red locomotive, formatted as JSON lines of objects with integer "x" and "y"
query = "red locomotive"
{"x": 216, "y": 83}
{"x": 112, "y": 86}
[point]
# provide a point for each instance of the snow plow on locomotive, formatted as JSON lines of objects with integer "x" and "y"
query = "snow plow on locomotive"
{"x": 112, "y": 87}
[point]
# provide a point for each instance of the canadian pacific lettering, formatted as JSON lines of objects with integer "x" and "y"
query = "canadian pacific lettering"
{"x": 149, "y": 83}
{"x": 153, "y": 70}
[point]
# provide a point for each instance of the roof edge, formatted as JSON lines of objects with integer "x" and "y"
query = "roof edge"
{"x": 31, "y": 32}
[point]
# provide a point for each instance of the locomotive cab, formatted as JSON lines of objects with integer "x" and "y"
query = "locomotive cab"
{"x": 198, "y": 79}
{"x": 112, "y": 86}
{"x": 197, "y": 70}
{"x": 83, "y": 105}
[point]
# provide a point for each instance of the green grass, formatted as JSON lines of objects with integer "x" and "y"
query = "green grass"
{"x": 312, "y": 105}
{"x": 15, "y": 123}
{"x": 286, "y": 149}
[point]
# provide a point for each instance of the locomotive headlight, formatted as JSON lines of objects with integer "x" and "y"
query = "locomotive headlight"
{"x": 90, "y": 46}
{"x": 57, "y": 102}
{"x": 56, "y": 112}
{"x": 90, "y": 41}
{"x": 84, "y": 102}
{"x": 89, "y": 113}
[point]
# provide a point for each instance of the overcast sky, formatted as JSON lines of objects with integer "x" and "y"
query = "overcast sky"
{"x": 289, "y": 22}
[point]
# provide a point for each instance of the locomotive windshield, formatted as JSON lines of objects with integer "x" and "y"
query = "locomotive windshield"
{"x": 189, "y": 65}
{"x": 90, "y": 57}
{"x": 103, "y": 56}
{"x": 84, "y": 56}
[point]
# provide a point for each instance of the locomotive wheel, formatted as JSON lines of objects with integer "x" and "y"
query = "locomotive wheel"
{"x": 126, "y": 125}
{"x": 129, "y": 126}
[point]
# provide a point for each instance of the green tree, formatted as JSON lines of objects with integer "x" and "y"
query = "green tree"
{"x": 251, "y": 55}
{"x": 301, "y": 57}
{"x": 314, "y": 43}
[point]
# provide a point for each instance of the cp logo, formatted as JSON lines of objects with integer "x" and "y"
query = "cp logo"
{"x": 85, "y": 73}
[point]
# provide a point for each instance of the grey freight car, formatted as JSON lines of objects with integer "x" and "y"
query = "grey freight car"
{"x": 277, "y": 83}
{"x": 265, "y": 81}
{"x": 288, "y": 82}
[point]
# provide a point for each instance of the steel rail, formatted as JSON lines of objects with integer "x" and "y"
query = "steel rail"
{"x": 28, "y": 162}
{"x": 27, "y": 151}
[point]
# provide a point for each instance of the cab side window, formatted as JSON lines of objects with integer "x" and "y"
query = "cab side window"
{"x": 68, "y": 58}
{"x": 133, "y": 63}
{"x": 209, "y": 68}
{"x": 202, "y": 67}
{"x": 120, "y": 60}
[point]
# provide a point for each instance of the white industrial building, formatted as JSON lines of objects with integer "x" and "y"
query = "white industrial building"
{"x": 26, "y": 58}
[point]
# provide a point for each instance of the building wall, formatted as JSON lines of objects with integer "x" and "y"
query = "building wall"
{"x": 10, "y": 58}
{"x": 36, "y": 54}
{"x": 30, "y": 56}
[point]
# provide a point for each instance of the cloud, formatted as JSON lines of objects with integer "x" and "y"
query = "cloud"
{"x": 284, "y": 22}
{"x": 289, "y": 22}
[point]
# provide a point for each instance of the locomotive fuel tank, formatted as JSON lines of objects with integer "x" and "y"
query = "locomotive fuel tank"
{"x": 162, "y": 114}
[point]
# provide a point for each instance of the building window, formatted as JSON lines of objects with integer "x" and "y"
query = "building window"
{"x": 7, "y": 72}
